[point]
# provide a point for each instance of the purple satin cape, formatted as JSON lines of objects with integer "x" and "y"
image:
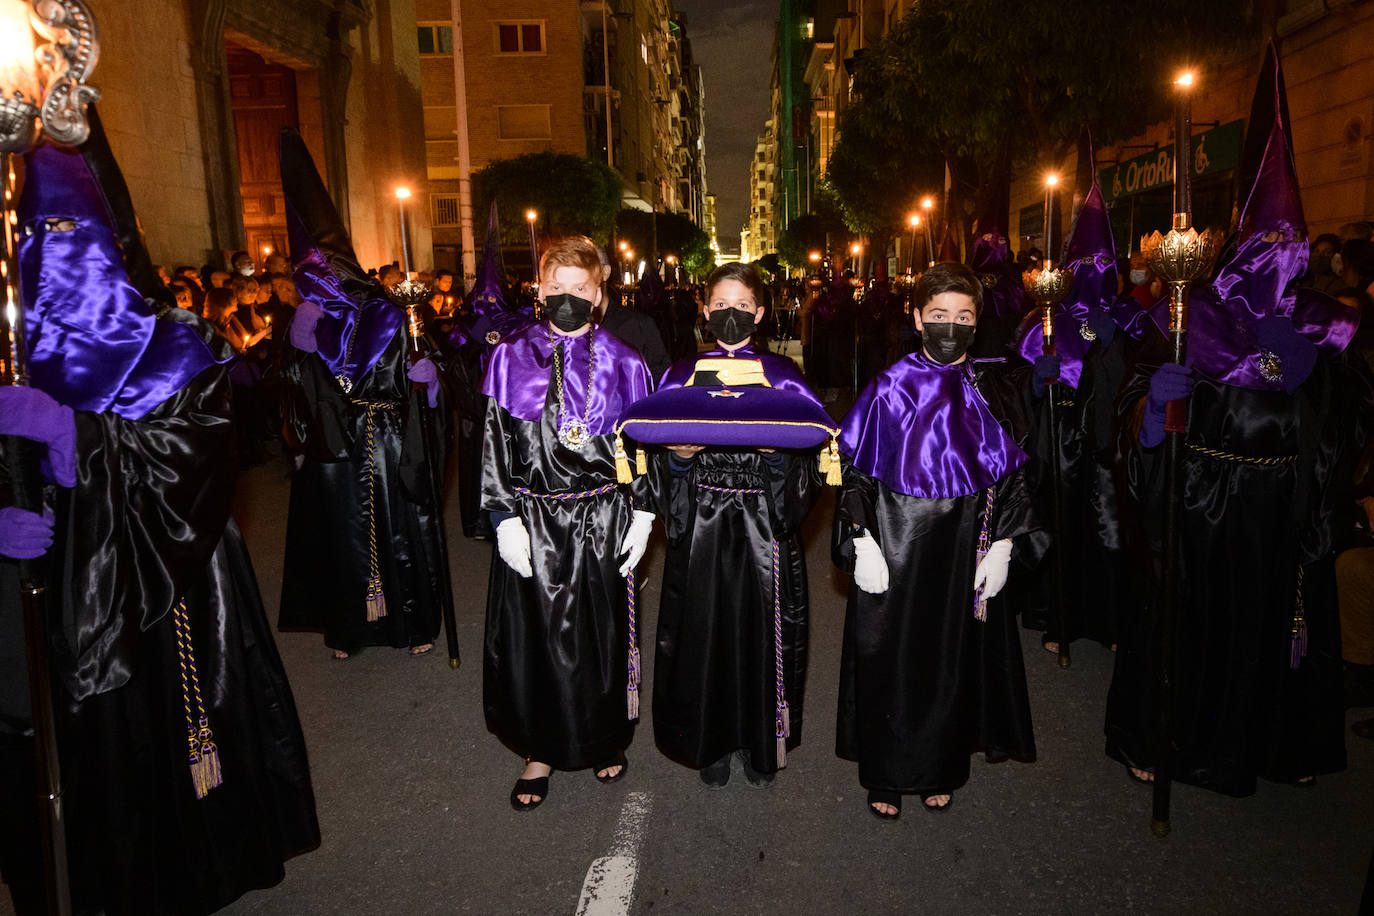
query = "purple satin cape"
{"x": 780, "y": 371}
{"x": 925, "y": 431}
{"x": 94, "y": 343}
{"x": 521, "y": 371}
{"x": 373, "y": 324}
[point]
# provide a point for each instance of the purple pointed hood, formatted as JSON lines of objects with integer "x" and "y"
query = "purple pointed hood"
{"x": 991, "y": 260}
{"x": 1267, "y": 254}
{"x": 94, "y": 343}
{"x": 949, "y": 248}
{"x": 489, "y": 291}
{"x": 359, "y": 320}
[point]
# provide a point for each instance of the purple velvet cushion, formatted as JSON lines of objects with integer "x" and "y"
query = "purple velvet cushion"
{"x": 740, "y": 416}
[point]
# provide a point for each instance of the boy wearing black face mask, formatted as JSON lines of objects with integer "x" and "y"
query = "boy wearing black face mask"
{"x": 559, "y": 635}
{"x": 730, "y": 659}
{"x": 934, "y": 495}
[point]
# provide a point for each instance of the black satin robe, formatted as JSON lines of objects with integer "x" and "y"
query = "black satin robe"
{"x": 464, "y": 365}
{"x": 1099, "y": 586}
{"x": 923, "y": 684}
{"x": 1248, "y": 530}
{"x": 715, "y": 663}
{"x": 146, "y": 526}
{"x": 324, "y": 581}
{"x": 555, "y": 657}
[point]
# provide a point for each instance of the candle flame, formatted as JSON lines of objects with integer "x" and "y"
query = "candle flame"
{"x": 403, "y": 193}
{"x": 1051, "y": 180}
{"x": 531, "y": 215}
{"x": 1185, "y": 79}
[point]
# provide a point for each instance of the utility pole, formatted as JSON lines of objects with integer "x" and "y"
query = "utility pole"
{"x": 460, "y": 94}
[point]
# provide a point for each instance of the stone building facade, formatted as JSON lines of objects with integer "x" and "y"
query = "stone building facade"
{"x": 194, "y": 91}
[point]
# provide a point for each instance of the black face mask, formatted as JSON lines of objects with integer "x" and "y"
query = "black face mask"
{"x": 946, "y": 341}
{"x": 567, "y": 312}
{"x": 731, "y": 326}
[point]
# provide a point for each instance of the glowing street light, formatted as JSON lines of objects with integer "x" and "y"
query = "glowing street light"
{"x": 530, "y": 217}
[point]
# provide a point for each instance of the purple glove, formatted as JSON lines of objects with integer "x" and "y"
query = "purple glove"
{"x": 1101, "y": 324}
{"x": 33, "y": 414}
{"x": 308, "y": 314}
{"x": 1046, "y": 368}
{"x": 1297, "y": 355}
{"x": 424, "y": 372}
{"x": 1171, "y": 383}
{"x": 24, "y": 535}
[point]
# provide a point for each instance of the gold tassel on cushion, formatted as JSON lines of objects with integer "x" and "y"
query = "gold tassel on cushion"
{"x": 641, "y": 462}
{"x": 831, "y": 463}
{"x": 622, "y": 462}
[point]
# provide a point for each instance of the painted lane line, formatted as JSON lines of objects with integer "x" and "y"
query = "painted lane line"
{"x": 609, "y": 887}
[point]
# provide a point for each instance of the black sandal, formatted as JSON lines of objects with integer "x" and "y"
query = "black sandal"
{"x": 539, "y": 787}
{"x": 755, "y": 778}
{"x": 937, "y": 809}
{"x": 717, "y": 774}
{"x": 619, "y": 761}
{"x": 1136, "y": 777}
{"x": 879, "y": 797}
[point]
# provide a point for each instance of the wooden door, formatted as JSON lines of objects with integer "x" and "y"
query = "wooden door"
{"x": 263, "y": 98}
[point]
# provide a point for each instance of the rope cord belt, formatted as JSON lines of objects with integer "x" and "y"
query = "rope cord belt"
{"x": 376, "y": 597}
{"x": 980, "y": 604}
{"x": 1297, "y": 643}
{"x": 204, "y": 756}
{"x": 1219, "y": 455}
{"x": 584, "y": 494}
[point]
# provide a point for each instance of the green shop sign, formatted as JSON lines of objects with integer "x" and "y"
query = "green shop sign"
{"x": 1215, "y": 150}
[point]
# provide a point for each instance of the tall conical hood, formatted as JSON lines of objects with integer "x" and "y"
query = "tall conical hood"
{"x": 651, "y": 296}
{"x": 94, "y": 343}
{"x": 949, "y": 248}
{"x": 1090, "y": 252}
{"x": 359, "y": 321}
{"x": 489, "y": 291}
{"x": 137, "y": 262}
{"x": 1255, "y": 280}
{"x": 991, "y": 248}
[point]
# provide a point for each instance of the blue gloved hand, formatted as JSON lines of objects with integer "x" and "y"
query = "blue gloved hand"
{"x": 24, "y": 535}
{"x": 424, "y": 372}
{"x": 308, "y": 314}
{"x": 1101, "y": 324}
{"x": 1046, "y": 368}
{"x": 1171, "y": 382}
{"x": 34, "y": 415}
{"x": 1297, "y": 355}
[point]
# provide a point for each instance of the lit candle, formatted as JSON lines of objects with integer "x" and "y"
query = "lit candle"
{"x": 1183, "y": 147}
{"x": 1050, "y": 182}
{"x": 18, "y": 67}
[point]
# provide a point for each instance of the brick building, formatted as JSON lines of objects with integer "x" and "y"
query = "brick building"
{"x": 193, "y": 93}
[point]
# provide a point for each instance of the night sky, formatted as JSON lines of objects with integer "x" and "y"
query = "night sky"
{"x": 733, "y": 42}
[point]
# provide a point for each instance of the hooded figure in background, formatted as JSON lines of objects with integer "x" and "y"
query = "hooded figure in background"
{"x": 471, "y": 342}
{"x": 1095, "y": 337}
{"x": 640, "y": 327}
{"x": 362, "y": 542}
{"x": 1275, "y": 423}
{"x": 1004, "y": 298}
{"x": 185, "y": 773}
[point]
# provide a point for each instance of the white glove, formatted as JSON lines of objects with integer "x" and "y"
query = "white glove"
{"x": 513, "y": 544}
{"x": 636, "y": 540}
{"x": 870, "y": 569}
{"x": 991, "y": 573}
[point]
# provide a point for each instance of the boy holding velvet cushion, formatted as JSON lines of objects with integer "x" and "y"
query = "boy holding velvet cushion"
{"x": 933, "y": 498}
{"x": 730, "y": 662}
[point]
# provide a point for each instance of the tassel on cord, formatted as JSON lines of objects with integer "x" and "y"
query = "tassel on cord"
{"x": 1297, "y": 644}
{"x": 632, "y": 687}
{"x": 782, "y": 729}
{"x": 632, "y": 681}
{"x": 622, "y": 463}
{"x": 203, "y": 756}
{"x": 376, "y": 599}
{"x": 641, "y": 462}
{"x": 833, "y": 477}
{"x": 205, "y": 772}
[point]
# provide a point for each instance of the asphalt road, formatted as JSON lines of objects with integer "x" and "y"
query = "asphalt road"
{"x": 412, "y": 795}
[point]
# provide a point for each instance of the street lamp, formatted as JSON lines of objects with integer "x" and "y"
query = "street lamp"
{"x": 403, "y": 195}
{"x": 915, "y": 221}
{"x": 855, "y": 250}
{"x": 47, "y": 50}
{"x": 530, "y": 217}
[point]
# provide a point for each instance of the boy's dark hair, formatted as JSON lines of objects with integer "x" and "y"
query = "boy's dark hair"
{"x": 741, "y": 273}
{"x": 949, "y": 278}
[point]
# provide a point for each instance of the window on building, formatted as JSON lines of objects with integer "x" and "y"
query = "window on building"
{"x": 444, "y": 210}
{"x": 520, "y": 37}
{"x": 523, "y": 122}
{"x": 435, "y": 38}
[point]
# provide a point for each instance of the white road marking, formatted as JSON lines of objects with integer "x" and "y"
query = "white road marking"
{"x": 609, "y": 888}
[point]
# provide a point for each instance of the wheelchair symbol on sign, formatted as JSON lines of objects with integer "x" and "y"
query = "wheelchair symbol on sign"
{"x": 1200, "y": 160}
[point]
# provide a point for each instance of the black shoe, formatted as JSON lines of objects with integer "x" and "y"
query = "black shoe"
{"x": 937, "y": 809}
{"x": 618, "y": 761}
{"x": 717, "y": 774}
{"x": 755, "y": 779}
{"x": 538, "y": 787}
{"x": 879, "y": 797}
